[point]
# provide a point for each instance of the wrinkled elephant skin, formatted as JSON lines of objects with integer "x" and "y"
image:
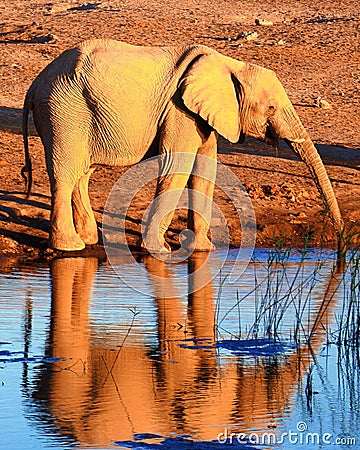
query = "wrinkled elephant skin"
{"x": 105, "y": 102}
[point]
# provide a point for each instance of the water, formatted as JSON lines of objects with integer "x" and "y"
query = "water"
{"x": 86, "y": 360}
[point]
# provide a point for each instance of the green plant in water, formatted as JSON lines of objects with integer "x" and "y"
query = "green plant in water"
{"x": 348, "y": 334}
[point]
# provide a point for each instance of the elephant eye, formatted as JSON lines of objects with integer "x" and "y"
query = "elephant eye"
{"x": 271, "y": 108}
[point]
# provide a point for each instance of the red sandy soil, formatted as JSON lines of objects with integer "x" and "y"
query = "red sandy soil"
{"x": 312, "y": 46}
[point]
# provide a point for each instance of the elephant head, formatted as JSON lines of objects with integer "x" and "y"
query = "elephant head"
{"x": 239, "y": 99}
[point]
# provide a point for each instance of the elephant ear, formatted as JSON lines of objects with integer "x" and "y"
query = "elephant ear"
{"x": 208, "y": 89}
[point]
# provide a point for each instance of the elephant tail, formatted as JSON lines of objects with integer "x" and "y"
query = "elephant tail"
{"x": 26, "y": 171}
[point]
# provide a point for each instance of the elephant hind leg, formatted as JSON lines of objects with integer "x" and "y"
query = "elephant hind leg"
{"x": 63, "y": 235}
{"x": 84, "y": 220}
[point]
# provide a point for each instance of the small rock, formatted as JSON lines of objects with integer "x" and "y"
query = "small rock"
{"x": 251, "y": 36}
{"x": 49, "y": 252}
{"x": 254, "y": 190}
{"x": 55, "y": 8}
{"x": 304, "y": 194}
{"x": 320, "y": 103}
{"x": 16, "y": 212}
{"x": 280, "y": 42}
{"x": 52, "y": 39}
{"x": 247, "y": 35}
{"x": 271, "y": 190}
{"x": 263, "y": 22}
{"x": 274, "y": 190}
{"x": 31, "y": 251}
{"x": 8, "y": 245}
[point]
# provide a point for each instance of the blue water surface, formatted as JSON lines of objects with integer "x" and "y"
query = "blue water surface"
{"x": 91, "y": 360}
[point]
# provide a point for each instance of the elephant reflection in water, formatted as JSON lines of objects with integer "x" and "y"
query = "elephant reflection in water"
{"x": 100, "y": 395}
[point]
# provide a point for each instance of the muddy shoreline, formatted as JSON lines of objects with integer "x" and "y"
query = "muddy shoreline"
{"x": 314, "y": 49}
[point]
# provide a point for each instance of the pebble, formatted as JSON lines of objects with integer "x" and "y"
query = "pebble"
{"x": 8, "y": 244}
{"x": 52, "y": 39}
{"x": 263, "y": 22}
{"x": 57, "y": 7}
{"x": 320, "y": 103}
{"x": 248, "y": 36}
{"x": 252, "y": 36}
{"x": 16, "y": 212}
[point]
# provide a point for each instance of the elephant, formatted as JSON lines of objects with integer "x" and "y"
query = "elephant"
{"x": 106, "y": 102}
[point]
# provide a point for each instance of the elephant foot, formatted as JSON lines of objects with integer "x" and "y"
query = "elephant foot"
{"x": 196, "y": 243}
{"x": 205, "y": 248}
{"x": 90, "y": 238}
{"x": 86, "y": 229}
{"x": 66, "y": 243}
{"x": 155, "y": 247}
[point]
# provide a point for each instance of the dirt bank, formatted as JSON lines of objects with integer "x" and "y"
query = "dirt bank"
{"x": 313, "y": 47}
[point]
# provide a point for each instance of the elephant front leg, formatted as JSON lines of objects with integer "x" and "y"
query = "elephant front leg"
{"x": 199, "y": 216}
{"x": 174, "y": 174}
{"x": 85, "y": 223}
{"x": 162, "y": 210}
{"x": 181, "y": 140}
{"x": 63, "y": 235}
{"x": 201, "y": 190}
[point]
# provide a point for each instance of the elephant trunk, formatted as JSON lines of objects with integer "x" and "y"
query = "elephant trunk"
{"x": 308, "y": 153}
{"x": 299, "y": 141}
